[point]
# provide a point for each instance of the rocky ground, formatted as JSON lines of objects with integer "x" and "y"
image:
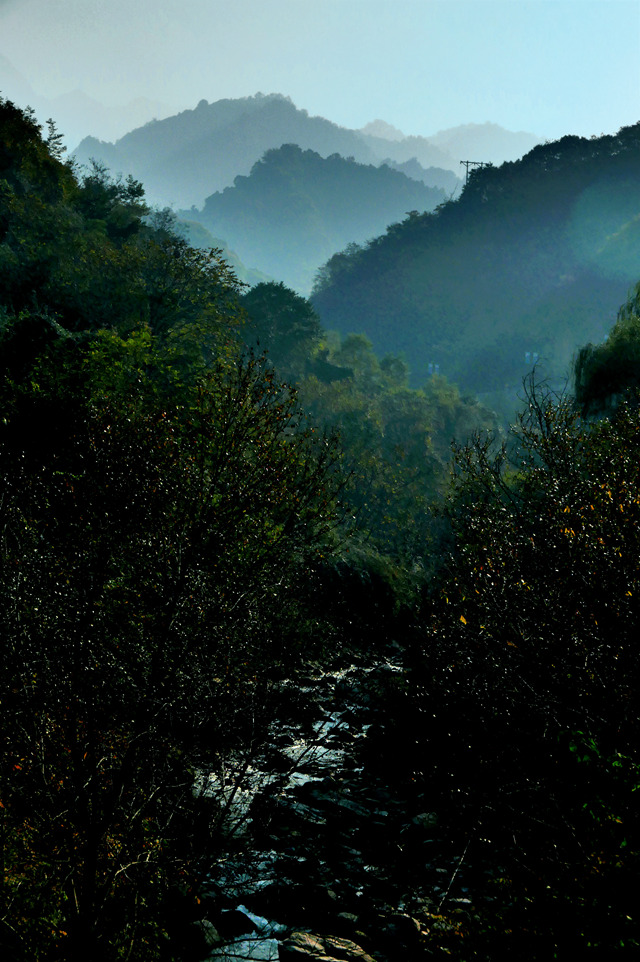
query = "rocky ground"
{"x": 334, "y": 859}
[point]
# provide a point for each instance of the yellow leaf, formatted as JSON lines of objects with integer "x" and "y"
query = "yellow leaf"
{"x": 463, "y": 619}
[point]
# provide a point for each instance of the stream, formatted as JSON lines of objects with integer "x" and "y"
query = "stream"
{"x": 329, "y": 864}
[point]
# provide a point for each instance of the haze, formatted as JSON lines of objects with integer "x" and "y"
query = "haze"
{"x": 547, "y": 67}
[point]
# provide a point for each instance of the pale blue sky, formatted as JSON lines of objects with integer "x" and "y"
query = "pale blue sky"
{"x": 546, "y": 66}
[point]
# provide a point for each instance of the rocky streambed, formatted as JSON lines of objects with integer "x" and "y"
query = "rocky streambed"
{"x": 333, "y": 861}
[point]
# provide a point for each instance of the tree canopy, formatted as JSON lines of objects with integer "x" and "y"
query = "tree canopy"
{"x": 163, "y": 502}
{"x": 525, "y": 673}
{"x": 533, "y": 258}
{"x": 607, "y": 372}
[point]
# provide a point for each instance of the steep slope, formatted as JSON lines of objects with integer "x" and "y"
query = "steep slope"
{"x": 296, "y": 208}
{"x": 533, "y": 259}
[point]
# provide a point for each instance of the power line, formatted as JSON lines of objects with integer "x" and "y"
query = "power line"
{"x": 473, "y": 163}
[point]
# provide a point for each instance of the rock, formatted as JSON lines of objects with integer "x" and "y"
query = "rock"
{"x": 404, "y": 928}
{"x": 199, "y": 939}
{"x": 233, "y": 923}
{"x": 304, "y": 947}
{"x": 345, "y": 949}
{"x": 301, "y": 945}
{"x": 425, "y": 820}
{"x": 347, "y": 925}
{"x": 400, "y": 936}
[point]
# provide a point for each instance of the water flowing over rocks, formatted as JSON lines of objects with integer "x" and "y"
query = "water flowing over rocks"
{"x": 331, "y": 861}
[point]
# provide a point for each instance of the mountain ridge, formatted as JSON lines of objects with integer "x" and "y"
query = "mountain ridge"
{"x": 295, "y": 208}
{"x": 534, "y": 258}
{"x": 182, "y": 159}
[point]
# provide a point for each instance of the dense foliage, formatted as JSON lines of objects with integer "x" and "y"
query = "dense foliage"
{"x": 295, "y": 208}
{"x": 526, "y": 732}
{"x": 533, "y": 259}
{"x": 162, "y": 503}
{"x": 605, "y": 373}
{"x": 396, "y": 439}
{"x": 180, "y": 529}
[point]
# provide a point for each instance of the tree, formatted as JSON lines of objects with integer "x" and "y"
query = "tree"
{"x": 605, "y": 373}
{"x": 149, "y": 559}
{"x": 87, "y": 250}
{"x": 162, "y": 503}
{"x": 282, "y": 323}
{"x": 526, "y": 683}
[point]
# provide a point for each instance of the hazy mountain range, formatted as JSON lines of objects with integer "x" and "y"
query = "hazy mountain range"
{"x": 184, "y": 158}
{"x": 75, "y": 113}
{"x": 296, "y": 208}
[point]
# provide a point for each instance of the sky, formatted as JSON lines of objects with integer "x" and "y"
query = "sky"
{"x": 550, "y": 67}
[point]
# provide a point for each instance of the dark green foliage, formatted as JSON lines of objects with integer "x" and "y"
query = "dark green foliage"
{"x": 26, "y": 162}
{"x": 150, "y": 562}
{"x": 163, "y": 502}
{"x": 397, "y": 441}
{"x": 533, "y": 258}
{"x": 605, "y": 373}
{"x": 295, "y": 208}
{"x": 176, "y": 534}
{"x": 86, "y": 251}
{"x": 527, "y": 678}
{"x": 198, "y": 236}
{"x": 283, "y": 324}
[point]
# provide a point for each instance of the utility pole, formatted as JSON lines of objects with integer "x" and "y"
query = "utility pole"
{"x": 473, "y": 163}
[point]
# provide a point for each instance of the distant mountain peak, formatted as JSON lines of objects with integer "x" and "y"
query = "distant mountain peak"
{"x": 490, "y": 141}
{"x": 380, "y": 128}
{"x": 184, "y": 158}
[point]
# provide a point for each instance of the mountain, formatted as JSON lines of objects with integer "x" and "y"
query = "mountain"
{"x": 184, "y": 158}
{"x": 13, "y": 85}
{"x": 381, "y": 129}
{"x": 75, "y": 113}
{"x": 296, "y": 208}
{"x": 432, "y": 176}
{"x": 531, "y": 261}
{"x": 489, "y": 143}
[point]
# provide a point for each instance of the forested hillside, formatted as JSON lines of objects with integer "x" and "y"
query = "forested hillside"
{"x": 176, "y": 527}
{"x": 184, "y": 158}
{"x": 296, "y": 208}
{"x": 531, "y": 261}
{"x": 159, "y": 493}
{"x": 275, "y": 682}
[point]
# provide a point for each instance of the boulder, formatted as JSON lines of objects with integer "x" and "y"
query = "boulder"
{"x": 234, "y": 923}
{"x": 305, "y": 947}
